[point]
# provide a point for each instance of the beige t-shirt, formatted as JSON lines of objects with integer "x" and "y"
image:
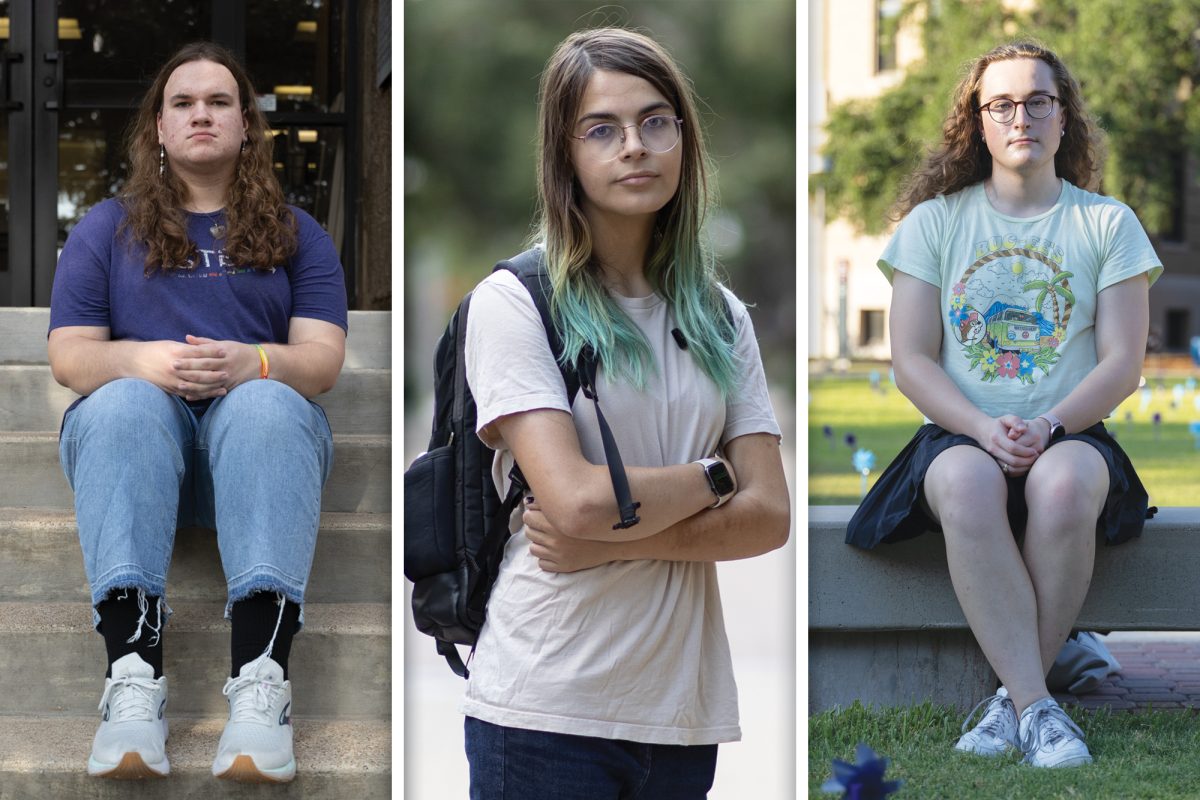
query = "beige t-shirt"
{"x": 632, "y": 650}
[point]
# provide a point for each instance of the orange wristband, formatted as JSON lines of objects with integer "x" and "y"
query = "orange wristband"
{"x": 266, "y": 365}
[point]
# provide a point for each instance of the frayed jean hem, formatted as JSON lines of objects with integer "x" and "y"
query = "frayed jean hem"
{"x": 132, "y": 581}
{"x": 264, "y": 578}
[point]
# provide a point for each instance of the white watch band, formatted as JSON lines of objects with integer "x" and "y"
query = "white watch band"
{"x": 705, "y": 463}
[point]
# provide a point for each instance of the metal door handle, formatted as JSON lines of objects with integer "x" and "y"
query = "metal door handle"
{"x": 6, "y": 63}
{"x": 55, "y": 57}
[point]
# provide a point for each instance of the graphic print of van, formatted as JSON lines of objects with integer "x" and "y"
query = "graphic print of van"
{"x": 1013, "y": 329}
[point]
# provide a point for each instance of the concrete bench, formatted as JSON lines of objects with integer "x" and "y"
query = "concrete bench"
{"x": 885, "y": 628}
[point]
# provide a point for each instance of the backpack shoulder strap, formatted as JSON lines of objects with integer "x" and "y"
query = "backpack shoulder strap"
{"x": 530, "y": 269}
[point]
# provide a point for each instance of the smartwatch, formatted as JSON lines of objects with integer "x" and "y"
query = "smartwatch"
{"x": 1057, "y": 431}
{"x": 719, "y": 479}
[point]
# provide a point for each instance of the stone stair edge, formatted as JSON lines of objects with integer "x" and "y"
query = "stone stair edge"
{"x": 24, "y": 329}
{"x": 57, "y": 519}
{"x": 361, "y": 439}
{"x": 354, "y": 619}
{"x": 323, "y": 745}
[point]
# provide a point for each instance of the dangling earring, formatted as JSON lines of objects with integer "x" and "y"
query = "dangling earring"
{"x": 162, "y": 160}
{"x": 243, "y": 145}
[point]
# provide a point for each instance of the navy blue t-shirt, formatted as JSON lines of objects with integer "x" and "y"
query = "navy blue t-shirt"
{"x": 101, "y": 281}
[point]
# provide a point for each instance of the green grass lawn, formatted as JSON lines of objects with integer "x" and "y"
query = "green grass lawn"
{"x": 883, "y": 422}
{"x": 1147, "y": 756}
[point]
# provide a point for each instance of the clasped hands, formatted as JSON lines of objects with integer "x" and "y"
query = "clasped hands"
{"x": 1016, "y": 443}
{"x": 200, "y": 368}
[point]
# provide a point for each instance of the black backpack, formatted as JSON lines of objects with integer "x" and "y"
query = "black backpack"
{"x": 455, "y": 523}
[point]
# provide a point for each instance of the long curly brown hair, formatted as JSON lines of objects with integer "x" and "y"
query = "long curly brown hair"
{"x": 963, "y": 159}
{"x": 261, "y": 228}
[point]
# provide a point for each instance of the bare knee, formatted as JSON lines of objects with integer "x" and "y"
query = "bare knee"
{"x": 1067, "y": 485}
{"x": 962, "y": 486}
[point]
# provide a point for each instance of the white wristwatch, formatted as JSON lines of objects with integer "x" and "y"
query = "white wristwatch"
{"x": 719, "y": 480}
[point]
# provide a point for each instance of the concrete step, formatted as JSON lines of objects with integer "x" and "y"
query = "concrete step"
{"x": 31, "y": 400}
{"x": 40, "y": 560}
{"x": 32, "y": 478}
{"x": 23, "y": 337}
{"x": 339, "y": 664}
{"x": 46, "y": 757}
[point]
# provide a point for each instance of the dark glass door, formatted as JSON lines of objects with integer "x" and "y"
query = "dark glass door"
{"x": 73, "y": 72}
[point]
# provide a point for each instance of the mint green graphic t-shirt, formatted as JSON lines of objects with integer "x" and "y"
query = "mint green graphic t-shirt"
{"x": 1018, "y": 295}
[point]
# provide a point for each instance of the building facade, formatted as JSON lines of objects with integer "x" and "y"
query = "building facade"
{"x": 73, "y": 72}
{"x": 858, "y": 52}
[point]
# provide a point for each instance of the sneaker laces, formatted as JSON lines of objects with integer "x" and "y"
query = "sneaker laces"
{"x": 991, "y": 722}
{"x": 1049, "y": 726}
{"x": 135, "y": 703}
{"x": 250, "y": 697}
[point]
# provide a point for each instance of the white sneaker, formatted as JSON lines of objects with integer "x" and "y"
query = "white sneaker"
{"x": 1049, "y": 737}
{"x": 131, "y": 740}
{"x": 996, "y": 732}
{"x": 257, "y": 743}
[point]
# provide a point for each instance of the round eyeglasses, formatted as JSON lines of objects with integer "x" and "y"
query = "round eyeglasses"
{"x": 659, "y": 134}
{"x": 1003, "y": 110}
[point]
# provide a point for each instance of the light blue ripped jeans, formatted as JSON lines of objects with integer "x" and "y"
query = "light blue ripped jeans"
{"x": 252, "y": 467}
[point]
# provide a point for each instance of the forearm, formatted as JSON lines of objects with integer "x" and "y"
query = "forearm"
{"x": 1122, "y": 320}
{"x": 746, "y": 526}
{"x": 311, "y": 368}
{"x": 668, "y": 495}
{"x": 84, "y": 365}
{"x": 923, "y": 381}
{"x": 1095, "y": 397}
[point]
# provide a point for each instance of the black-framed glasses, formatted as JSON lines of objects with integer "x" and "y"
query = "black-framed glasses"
{"x": 1004, "y": 110}
{"x": 659, "y": 133}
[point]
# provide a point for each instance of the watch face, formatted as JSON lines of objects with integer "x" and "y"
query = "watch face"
{"x": 718, "y": 477}
{"x": 1057, "y": 432}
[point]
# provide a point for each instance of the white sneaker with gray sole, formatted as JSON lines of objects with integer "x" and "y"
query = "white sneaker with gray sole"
{"x": 996, "y": 732}
{"x": 1049, "y": 738}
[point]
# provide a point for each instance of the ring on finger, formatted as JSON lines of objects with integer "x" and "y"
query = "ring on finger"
{"x": 1004, "y": 467}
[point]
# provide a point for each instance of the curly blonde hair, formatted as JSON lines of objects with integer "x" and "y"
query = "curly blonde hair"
{"x": 261, "y": 228}
{"x": 963, "y": 159}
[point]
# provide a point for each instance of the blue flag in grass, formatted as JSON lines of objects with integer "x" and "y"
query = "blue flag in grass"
{"x": 862, "y": 780}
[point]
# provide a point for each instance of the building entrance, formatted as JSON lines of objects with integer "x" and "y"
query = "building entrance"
{"x": 73, "y": 71}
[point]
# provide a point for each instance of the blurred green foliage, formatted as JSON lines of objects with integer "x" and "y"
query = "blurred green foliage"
{"x": 471, "y": 71}
{"x": 1136, "y": 62}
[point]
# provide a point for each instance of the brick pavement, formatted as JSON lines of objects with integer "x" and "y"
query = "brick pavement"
{"x": 1159, "y": 670}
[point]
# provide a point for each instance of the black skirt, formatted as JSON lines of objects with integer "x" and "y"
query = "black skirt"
{"x": 894, "y": 509}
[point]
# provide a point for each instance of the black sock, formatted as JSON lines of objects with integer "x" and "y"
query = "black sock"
{"x": 119, "y": 615}
{"x": 254, "y": 622}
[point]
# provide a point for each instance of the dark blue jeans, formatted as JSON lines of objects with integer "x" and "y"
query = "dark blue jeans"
{"x": 511, "y": 763}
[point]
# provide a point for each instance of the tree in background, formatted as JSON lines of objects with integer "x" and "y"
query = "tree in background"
{"x": 1137, "y": 63}
{"x": 471, "y": 71}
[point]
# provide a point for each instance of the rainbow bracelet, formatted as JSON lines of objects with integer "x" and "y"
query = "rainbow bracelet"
{"x": 266, "y": 365}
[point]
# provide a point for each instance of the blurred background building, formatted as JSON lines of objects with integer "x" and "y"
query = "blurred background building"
{"x": 881, "y": 74}
{"x": 73, "y": 71}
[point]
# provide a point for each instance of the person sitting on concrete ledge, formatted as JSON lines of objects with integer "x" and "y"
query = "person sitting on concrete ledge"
{"x": 1018, "y": 323}
{"x": 197, "y": 314}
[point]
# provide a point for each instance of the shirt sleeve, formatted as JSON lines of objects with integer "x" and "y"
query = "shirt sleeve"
{"x": 510, "y": 367}
{"x": 1127, "y": 250}
{"x": 318, "y": 281}
{"x": 748, "y": 408}
{"x": 916, "y": 246}
{"x": 80, "y": 294}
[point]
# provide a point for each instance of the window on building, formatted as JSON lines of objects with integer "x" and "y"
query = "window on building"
{"x": 887, "y": 23}
{"x": 1179, "y": 329}
{"x": 1175, "y": 231}
{"x": 870, "y": 327}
